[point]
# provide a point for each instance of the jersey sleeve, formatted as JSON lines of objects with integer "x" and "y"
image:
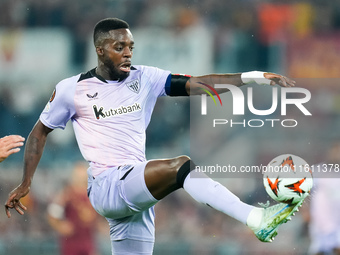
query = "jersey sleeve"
{"x": 158, "y": 79}
{"x": 60, "y": 108}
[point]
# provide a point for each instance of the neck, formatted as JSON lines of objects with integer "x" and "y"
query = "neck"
{"x": 105, "y": 73}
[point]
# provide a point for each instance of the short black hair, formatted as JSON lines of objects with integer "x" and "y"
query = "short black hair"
{"x": 106, "y": 25}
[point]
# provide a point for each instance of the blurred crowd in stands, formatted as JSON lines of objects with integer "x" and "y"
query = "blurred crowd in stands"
{"x": 266, "y": 21}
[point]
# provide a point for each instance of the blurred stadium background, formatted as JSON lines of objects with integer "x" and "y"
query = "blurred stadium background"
{"x": 42, "y": 42}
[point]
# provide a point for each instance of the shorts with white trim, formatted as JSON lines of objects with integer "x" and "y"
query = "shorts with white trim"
{"x": 120, "y": 194}
{"x": 132, "y": 247}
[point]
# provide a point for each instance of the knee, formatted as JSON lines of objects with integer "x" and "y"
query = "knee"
{"x": 176, "y": 163}
{"x": 170, "y": 167}
{"x": 161, "y": 176}
{"x": 177, "y": 169}
{"x": 166, "y": 167}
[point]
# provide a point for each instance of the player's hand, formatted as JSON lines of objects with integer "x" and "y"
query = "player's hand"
{"x": 66, "y": 228}
{"x": 13, "y": 201}
{"x": 9, "y": 145}
{"x": 279, "y": 80}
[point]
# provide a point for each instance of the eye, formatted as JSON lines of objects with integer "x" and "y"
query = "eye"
{"x": 132, "y": 48}
{"x": 119, "y": 48}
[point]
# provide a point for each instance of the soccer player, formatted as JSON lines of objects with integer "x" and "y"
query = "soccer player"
{"x": 110, "y": 107}
{"x": 10, "y": 144}
{"x": 72, "y": 216}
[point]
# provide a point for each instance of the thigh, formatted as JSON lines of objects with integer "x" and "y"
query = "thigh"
{"x": 132, "y": 187}
{"x": 104, "y": 194}
{"x": 120, "y": 192}
{"x": 140, "y": 226}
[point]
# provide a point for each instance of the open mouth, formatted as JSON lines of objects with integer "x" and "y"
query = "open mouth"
{"x": 125, "y": 67}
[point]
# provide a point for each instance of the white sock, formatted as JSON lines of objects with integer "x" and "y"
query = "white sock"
{"x": 207, "y": 191}
{"x": 255, "y": 218}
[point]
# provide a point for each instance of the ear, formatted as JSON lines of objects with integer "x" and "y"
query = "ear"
{"x": 100, "y": 51}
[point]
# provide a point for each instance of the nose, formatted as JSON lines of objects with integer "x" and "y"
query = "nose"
{"x": 127, "y": 52}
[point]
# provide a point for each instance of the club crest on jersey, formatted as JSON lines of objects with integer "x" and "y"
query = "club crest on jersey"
{"x": 134, "y": 86}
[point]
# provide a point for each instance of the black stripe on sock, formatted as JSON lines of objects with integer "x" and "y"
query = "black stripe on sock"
{"x": 183, "y": 172}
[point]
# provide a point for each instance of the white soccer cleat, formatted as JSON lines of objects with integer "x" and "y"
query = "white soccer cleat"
{"x": 264, "y": 222}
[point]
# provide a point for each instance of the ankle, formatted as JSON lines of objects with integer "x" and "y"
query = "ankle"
{"x": 254, "y": 218}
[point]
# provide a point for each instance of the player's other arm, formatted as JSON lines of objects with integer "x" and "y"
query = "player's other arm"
{"x": 33, "y": 150}
{"x": 196, "y": 84}
{"x": 9, "y": 145}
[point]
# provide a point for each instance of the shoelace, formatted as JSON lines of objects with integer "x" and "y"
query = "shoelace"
{"x": 264, "y": 205}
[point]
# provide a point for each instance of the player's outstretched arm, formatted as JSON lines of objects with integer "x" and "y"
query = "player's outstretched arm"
{"x": 196, "y": 84}
{"x": 33, "y": 150}
{"x": 9, "y": 145}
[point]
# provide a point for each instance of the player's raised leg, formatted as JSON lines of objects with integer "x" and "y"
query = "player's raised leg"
{"x": 164, "y": 176}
